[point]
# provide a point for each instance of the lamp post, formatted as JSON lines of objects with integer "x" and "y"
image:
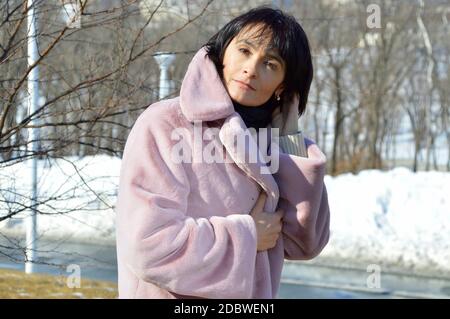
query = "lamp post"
{"x": 164, "y": 60}
{"x": 33, "y": 136}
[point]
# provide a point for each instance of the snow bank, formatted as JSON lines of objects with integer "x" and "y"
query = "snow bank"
{"x": 397, "y": 218}
{"x": 77, "y": 198}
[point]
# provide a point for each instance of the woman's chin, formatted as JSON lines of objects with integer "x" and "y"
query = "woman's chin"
{"x": 246, "y": 101}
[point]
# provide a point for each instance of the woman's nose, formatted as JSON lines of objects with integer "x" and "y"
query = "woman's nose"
{"x": 250, "y": 69}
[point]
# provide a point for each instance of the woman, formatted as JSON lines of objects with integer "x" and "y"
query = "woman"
{"x": 221, "y": 229}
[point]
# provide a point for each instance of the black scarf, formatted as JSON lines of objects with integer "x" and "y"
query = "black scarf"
{"x": 256, "y": 116}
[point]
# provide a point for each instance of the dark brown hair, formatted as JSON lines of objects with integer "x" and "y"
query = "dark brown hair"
{"x": 286, "y": 36}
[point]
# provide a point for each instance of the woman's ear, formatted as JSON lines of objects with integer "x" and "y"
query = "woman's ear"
{"x": 279, "y": 90}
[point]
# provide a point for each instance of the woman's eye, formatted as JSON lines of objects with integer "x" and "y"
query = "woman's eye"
{"x": 244, "y": 51}
{"x": 271, "y": 65}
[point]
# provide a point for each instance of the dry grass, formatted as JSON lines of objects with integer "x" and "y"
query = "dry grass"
{"x": 17, "y": 284}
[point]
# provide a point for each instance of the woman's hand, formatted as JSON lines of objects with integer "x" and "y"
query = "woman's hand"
{"x": 268, "y": 225}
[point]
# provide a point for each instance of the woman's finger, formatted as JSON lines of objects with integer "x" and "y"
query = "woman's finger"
{"x": 280, "y": 213}
{"x": 259, "y": 205}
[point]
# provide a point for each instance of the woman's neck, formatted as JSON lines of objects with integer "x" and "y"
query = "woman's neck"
{"x": 256, "y": 116}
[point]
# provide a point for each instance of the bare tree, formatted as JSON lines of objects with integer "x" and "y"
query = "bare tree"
{"x": 95, "y": 80}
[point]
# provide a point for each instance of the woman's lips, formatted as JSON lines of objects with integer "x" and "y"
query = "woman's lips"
{"x": 245, "y": 85}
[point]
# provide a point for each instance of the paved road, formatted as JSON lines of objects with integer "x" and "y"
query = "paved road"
{"x": 300, "y": 280}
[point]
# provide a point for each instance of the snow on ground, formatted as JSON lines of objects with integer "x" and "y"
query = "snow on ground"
{"x": 77, "y": 197}
{"x": 395, "y": 218}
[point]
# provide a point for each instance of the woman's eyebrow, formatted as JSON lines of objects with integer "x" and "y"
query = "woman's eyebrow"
{"x": 275, "y": 56}
{"x": 269, "y": 53}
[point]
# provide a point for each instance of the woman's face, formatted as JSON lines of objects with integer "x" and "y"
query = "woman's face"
{"x": 252, "y": 71}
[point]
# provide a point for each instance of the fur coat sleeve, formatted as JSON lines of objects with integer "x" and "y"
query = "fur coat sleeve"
{"x": 203, "y": 257}
{"x": 303, "y": 197}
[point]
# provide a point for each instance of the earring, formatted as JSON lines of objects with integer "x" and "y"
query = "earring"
{"x": 278, "y": 98}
